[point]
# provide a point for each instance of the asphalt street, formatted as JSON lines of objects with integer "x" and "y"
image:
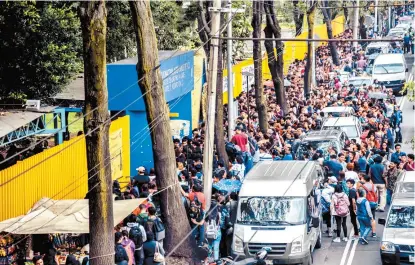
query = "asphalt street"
{"x": 352, "y": 253}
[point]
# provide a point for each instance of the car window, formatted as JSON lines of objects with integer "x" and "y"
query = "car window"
{"x": 401, "y": 217}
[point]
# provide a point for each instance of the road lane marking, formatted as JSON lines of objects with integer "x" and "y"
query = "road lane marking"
{"x": 346, "y": 250}
{"x": 352, "y": 252}
{"x": 402, "y": 102}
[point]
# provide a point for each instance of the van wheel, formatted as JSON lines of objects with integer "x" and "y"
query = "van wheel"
{"x": 318, "y": 242}
{"x": 309, "y": 260}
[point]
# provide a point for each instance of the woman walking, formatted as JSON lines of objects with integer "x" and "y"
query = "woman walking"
{"x": 340, "y": 210}
{"x": 364, "y": 216}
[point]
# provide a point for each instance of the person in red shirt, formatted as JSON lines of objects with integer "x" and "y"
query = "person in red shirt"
{"x": 197, "y": 192}
{"x": 240, "y": 139}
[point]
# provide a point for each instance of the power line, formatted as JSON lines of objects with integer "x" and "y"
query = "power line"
{"x": 309, "y": 40}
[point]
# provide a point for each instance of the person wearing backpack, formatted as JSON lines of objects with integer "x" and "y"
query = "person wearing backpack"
{"x": 196, "y": 196}
{"x": 213, "y": 228}
{"x": 340, "y": 210}
{"x": 137, "y": 234}
{"x": 364, "y": 215}
{"x": 120, "y": 257}
{"x": 197, "y": 222}
{"x": 371, "y": 196}
{"x": 325, "y": 201}
{"x": 155, "y": 225}
{"x": 129, "y": 247}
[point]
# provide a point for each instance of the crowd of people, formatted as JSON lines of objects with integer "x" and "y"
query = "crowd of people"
{"x": 361, "y": 176}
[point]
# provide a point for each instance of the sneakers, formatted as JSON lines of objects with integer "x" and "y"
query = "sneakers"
{"x": 330, "y": 234}
{"x": 337, "y": 240}
{"x": 374, "y": 235}
{"x": 363, "y": 241}
{"x": 355, "y": 237}
{"x": 344, "y": 239}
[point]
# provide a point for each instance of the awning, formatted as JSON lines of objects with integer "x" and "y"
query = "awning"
{"x": 62, "y": 216}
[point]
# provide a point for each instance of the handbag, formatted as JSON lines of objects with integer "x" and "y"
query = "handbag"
{"x": 158, "y": 257}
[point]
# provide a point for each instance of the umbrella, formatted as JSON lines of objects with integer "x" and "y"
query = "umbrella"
{"x": 228, "y": 185}
{"x": 287, "y": 83}
{"x": 377, "y": 95}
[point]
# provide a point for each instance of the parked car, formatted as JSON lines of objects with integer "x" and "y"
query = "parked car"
{"x": 350, "y": 125}
{"x": 397, "y": 244}
{"x": 391, "y": 70}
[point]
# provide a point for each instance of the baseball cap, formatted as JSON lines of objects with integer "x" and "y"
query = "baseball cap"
{"x": 140, "y": 169}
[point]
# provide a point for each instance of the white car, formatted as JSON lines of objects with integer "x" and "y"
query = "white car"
{"x": 338, "y": 111}
{"x": 403, "y": 26}
{"x": 350, "y": 125}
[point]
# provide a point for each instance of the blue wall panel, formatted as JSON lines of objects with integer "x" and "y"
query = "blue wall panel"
{"x": 141, "y": 153}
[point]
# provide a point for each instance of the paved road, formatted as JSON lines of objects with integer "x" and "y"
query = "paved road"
{"x": 352, "y": 253}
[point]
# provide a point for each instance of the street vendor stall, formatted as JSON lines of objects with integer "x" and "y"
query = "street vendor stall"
{"x": 64, "y": 223}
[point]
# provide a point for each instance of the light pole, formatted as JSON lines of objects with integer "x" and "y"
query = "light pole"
{"x": 248, "y": 74}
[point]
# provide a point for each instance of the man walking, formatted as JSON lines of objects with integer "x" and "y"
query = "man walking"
{"x": 352, "y": 198}
{"x": 376, "y": 173}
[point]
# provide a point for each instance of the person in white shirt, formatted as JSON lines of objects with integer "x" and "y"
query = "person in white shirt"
{"x": 350, "y": 174}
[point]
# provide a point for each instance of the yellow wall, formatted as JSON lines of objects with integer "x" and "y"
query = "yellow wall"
{"x": 199, "y": 60}
{"x": 292, "y": 50}
{"x": 58, "y": 173}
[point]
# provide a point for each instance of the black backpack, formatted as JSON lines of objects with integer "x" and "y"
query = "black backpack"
{"x": 136, "y": 236}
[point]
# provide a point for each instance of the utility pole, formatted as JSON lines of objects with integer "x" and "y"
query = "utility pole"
{"x": 375, "y": 28}
{"x": 389, "y": 17}
{"x": 355, "y": 22}
{"x": 93, "y": 16}
{"x": 313, "y": 63}
{"x": 210, "y": 124}
{"x": 229, "y": 49}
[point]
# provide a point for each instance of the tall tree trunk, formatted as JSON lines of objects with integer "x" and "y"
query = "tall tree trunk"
{"x": 345, "y": 12}
{"x": 332, "y": 45}
{"x": 257, "y": 52}
{"x": 298, "y": 18}
{"x": 362, "y": 28}
{"x": 101, "y": 222}
{"x": 275, "y": 62}
{"x": 203, "y": 24}
{"x": 151, "y": 85}
{"x": 219, "y": 128}
{"x": 308, "y": 73}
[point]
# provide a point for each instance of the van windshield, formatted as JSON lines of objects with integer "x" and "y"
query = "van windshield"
{"x": 272, "y": 210}
{"x": 373, "y": 50}
{"x": 392, "y": 68}
{"x": 323, "y": 145}
{"x": 401, "y": 217}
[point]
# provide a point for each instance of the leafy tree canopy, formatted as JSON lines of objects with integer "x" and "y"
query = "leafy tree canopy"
{"x": 40, "y": 48}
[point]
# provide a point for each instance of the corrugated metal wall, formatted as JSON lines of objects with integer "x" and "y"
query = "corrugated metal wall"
{"x": 58, "y": 173}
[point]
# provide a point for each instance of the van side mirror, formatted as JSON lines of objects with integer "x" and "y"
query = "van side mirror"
{"x": 381, "y": 221}
{"x": 315, "y": 222}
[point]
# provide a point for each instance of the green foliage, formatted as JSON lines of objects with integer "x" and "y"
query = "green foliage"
{"x": 172, "y": 32}
{"x": 241, "y": 27}
{"x": 40, "y": 48}
{"x": 120, "y": 31}
{"x": 409, "y": 90}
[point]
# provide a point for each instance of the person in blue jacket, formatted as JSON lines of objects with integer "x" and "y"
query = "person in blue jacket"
{"x": 334, "y": 166}
{"x": 396, "y": 157}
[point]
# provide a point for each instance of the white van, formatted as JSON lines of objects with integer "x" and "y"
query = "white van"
{"x": 350, "y": 125}
{"x": 391, "y": 70}
{"x": 278, "y": 209}
{"x": 398, "y": 238}
{"x": 338, "y": 111}
{"x": 377, "y": 48}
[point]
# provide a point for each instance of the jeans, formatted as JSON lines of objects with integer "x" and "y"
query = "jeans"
{"x": 354, "y": 221}
{"x": 341, "y": 222}
{"x": 199, "y": 233}
{"x": 139, "y": 256}
{"x": 381, "y": 190}
{"x": 365, "y": 226}
{"x": 214, "y": 244}
{"x": 327, "y": 218}
{"x": 248, "y": 161}
{"x": 389, "y": 196}
{"x": 398, "y": 133}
